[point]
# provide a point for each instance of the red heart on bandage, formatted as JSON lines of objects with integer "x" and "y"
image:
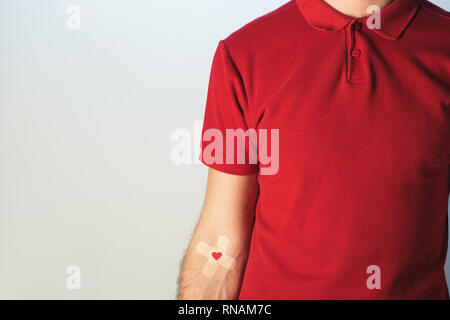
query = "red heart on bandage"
{"x": 216, "y": 255}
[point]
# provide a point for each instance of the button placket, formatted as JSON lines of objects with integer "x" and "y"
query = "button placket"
{"x": 355, "y": 70}
{"x": 357, "y": 26}
{"x": 356, "y": 53}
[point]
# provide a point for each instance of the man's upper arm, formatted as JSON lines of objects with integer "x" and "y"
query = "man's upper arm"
{"x": 229, "y": 205}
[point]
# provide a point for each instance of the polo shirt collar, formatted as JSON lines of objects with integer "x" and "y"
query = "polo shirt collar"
{"x": 395, "y": 17}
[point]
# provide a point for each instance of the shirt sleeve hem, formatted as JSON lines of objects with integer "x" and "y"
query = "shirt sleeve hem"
{"x": 239, "y": 170}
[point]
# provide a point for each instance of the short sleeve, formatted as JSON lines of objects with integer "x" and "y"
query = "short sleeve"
{"x": 226, "y": 138}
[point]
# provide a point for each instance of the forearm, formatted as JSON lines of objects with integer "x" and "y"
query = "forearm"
{"x": 216, "y": 258}
{"x": 200, "y": 282}
{"x": 205, "y": 278}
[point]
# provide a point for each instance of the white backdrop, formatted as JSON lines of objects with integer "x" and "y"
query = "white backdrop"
{"x": 86, "y": 118}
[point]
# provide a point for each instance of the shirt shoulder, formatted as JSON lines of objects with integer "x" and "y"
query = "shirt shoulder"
{"x": 265, "y": 30}
{"x": 436, "y": 17}
{"x": 431, "y": 27}
{"x": 441, "y": 14}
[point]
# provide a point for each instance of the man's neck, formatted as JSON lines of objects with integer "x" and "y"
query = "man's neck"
{"x": 356, "y": 8}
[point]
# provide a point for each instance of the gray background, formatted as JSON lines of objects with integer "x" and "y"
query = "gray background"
{"x": 86, "y": 118}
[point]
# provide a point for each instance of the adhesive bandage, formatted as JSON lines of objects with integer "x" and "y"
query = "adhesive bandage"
{"x": 216, "y": 256}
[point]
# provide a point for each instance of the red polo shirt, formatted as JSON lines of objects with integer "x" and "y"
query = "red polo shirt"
{"x": 364, "y": 149}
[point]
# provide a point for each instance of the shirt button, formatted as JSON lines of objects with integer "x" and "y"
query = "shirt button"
{"x": 356, "y": 53}
{"x": 357, "y": 26}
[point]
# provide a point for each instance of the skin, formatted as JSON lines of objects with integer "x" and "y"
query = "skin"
{"x": 356, "y": 8}
{"x": 229, "y": 211}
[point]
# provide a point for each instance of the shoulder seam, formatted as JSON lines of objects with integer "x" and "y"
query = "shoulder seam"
{"x": 425, "y": 6}
{"x": 235, "y": 67}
